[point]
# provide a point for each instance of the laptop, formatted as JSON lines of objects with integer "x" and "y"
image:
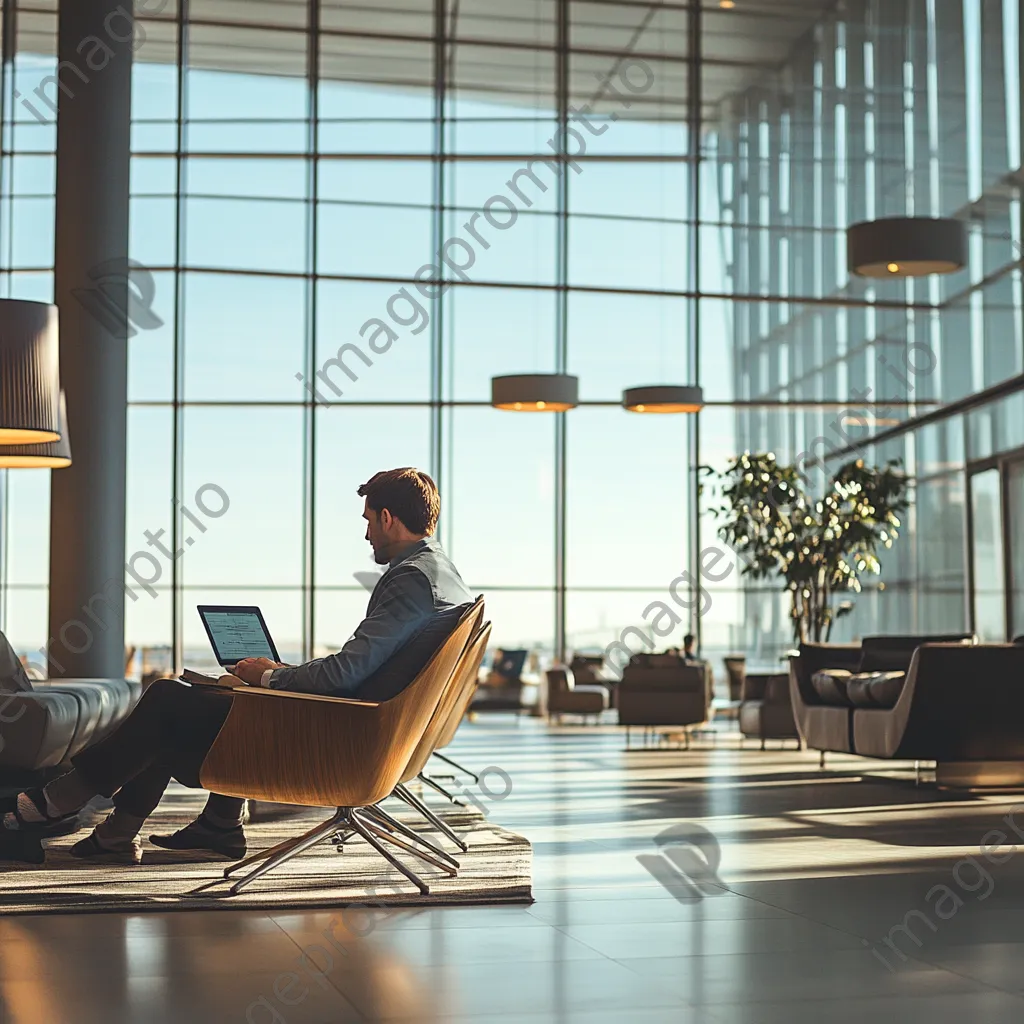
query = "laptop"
{"x": 235, "y": 632}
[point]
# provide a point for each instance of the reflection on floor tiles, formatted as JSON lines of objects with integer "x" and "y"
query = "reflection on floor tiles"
{"x": 711, "y": 885}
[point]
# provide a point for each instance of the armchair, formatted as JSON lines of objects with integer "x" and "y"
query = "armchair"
{"x": 662, "y": 689}
{"x": 329, "y": 751}
{"x": 566, "y": 698}
{"x": 502, "y": 689}
{"x": 766, "y": 710}
{"x": 736, "y": 669}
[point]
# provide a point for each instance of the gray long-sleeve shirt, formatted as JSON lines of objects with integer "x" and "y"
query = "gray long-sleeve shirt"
{"x": 417, "y": 584}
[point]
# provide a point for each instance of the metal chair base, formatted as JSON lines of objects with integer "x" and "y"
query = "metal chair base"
{"x": 345, "y": 818}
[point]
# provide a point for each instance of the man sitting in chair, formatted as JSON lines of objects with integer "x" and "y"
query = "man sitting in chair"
{"x": 174, "y": 725}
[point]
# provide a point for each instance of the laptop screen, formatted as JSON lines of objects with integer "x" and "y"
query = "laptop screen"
{"x": 236, "y": 632}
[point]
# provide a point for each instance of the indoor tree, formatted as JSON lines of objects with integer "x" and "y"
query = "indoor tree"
{"x": 820, "y": 547}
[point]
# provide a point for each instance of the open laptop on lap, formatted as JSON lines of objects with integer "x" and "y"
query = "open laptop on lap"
{"x": 235, "y": 632}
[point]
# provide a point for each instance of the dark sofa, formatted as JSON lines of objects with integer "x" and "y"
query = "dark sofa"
{"x": 945, "y": 699}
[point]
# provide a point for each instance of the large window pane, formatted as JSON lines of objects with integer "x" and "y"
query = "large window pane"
{"x": 619, "y": 341}
{"x": 244, "y": 337}
{"x": 373, "y": 343}
{"x": 246, "y": 234}
{"x": 987, "y": 546}
{"x": 628, "y": 482}
{"x": 352, "y": 445}
{"x": 243, "y": 492}
{"x": 496, "y": 331}
{"x": 501, "y": 470}
{"x": 150, "y": 515}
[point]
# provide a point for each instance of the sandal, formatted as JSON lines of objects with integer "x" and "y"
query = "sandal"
{"x": 60, "y": 825}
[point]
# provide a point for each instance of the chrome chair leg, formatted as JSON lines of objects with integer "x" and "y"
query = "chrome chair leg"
{"x": 390, "y": 837}
{"x": 389, "y": 820}
{"x": 440, "y": 789}
{"x": 455, "y": 764}
{"x": 273, "y": 851}
{"x": 402, "y": 791}
{"x": 276, "y": 854}
{"x": 394, "y": 861}
{"x": 308, "y": 840}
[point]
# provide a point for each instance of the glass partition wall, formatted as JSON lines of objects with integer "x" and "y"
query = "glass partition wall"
{"x": 349, "y": 217}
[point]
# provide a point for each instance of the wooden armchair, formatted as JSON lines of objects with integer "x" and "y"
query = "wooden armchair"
{"x": 318, "y": 751}
{"x": 449, "y": 714}
{"x": 442, "y": 727}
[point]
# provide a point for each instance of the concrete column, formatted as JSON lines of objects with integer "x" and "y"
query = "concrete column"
{"x": 87, "y": 510}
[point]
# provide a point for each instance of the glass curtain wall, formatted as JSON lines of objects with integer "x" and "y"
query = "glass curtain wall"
{"x": 884, "y": 108}
{"x": 349, "y": 217}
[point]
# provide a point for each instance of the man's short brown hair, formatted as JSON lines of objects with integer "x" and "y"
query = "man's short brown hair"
{"x": 408, "y": 494}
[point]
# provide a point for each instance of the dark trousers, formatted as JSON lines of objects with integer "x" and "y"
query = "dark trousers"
{"x": 168, "y": 735}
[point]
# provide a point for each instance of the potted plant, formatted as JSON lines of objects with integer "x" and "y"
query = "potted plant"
{"x": 821, "y": 547}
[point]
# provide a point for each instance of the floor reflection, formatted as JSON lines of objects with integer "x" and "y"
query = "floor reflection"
{"x": 715, "y": 885}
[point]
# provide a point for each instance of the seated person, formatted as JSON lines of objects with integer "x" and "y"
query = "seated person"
{"x": 171, "y": 730}
{"x": 506, "y": 669}
{"x": 689, "y": 654}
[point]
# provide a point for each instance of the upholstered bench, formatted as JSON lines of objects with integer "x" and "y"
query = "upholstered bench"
{"x": 44, "y": 726}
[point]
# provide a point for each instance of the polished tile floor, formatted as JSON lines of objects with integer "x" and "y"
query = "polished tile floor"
{"x": 717, "y": 884}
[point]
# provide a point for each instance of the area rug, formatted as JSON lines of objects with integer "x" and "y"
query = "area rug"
{"x": 497, "y": 869}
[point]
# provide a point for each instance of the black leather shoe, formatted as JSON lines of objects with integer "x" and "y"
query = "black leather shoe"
{"x": 197, "y": 835}
{"x": 90, "y": 849}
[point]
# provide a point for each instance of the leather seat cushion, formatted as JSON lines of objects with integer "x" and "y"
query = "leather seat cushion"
{"x": 581, "y": 699}
{"x": 103, "y": 705}
{"x": 830, "y": 685}
{"x": 886, "y": 687}
{"x": 38, "y": 729}
{"x": 875, "y": 689}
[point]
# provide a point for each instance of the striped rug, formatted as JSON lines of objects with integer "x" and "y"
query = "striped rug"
{"x": 497, "y": 869}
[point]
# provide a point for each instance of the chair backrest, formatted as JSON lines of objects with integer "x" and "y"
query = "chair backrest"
{"x": 585, "y": 667}
{"x": 463, "y": 681}
{"x": 894, "y": 653}
{"x": 473, "y": 660}
{"x": 391, "y": 678}
{"x": 560, "y": 680}
{"x": 509, "y": 664}
{"x": 316, "y": 751}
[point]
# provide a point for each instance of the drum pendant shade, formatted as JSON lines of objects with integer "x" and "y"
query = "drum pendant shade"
{"x": 29, "y": 373}
{"x": 46, "y": 455}
{"x": 535, "y": 392}
{"x": 664, "y": 398}
{"x": 906, "y": 247}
